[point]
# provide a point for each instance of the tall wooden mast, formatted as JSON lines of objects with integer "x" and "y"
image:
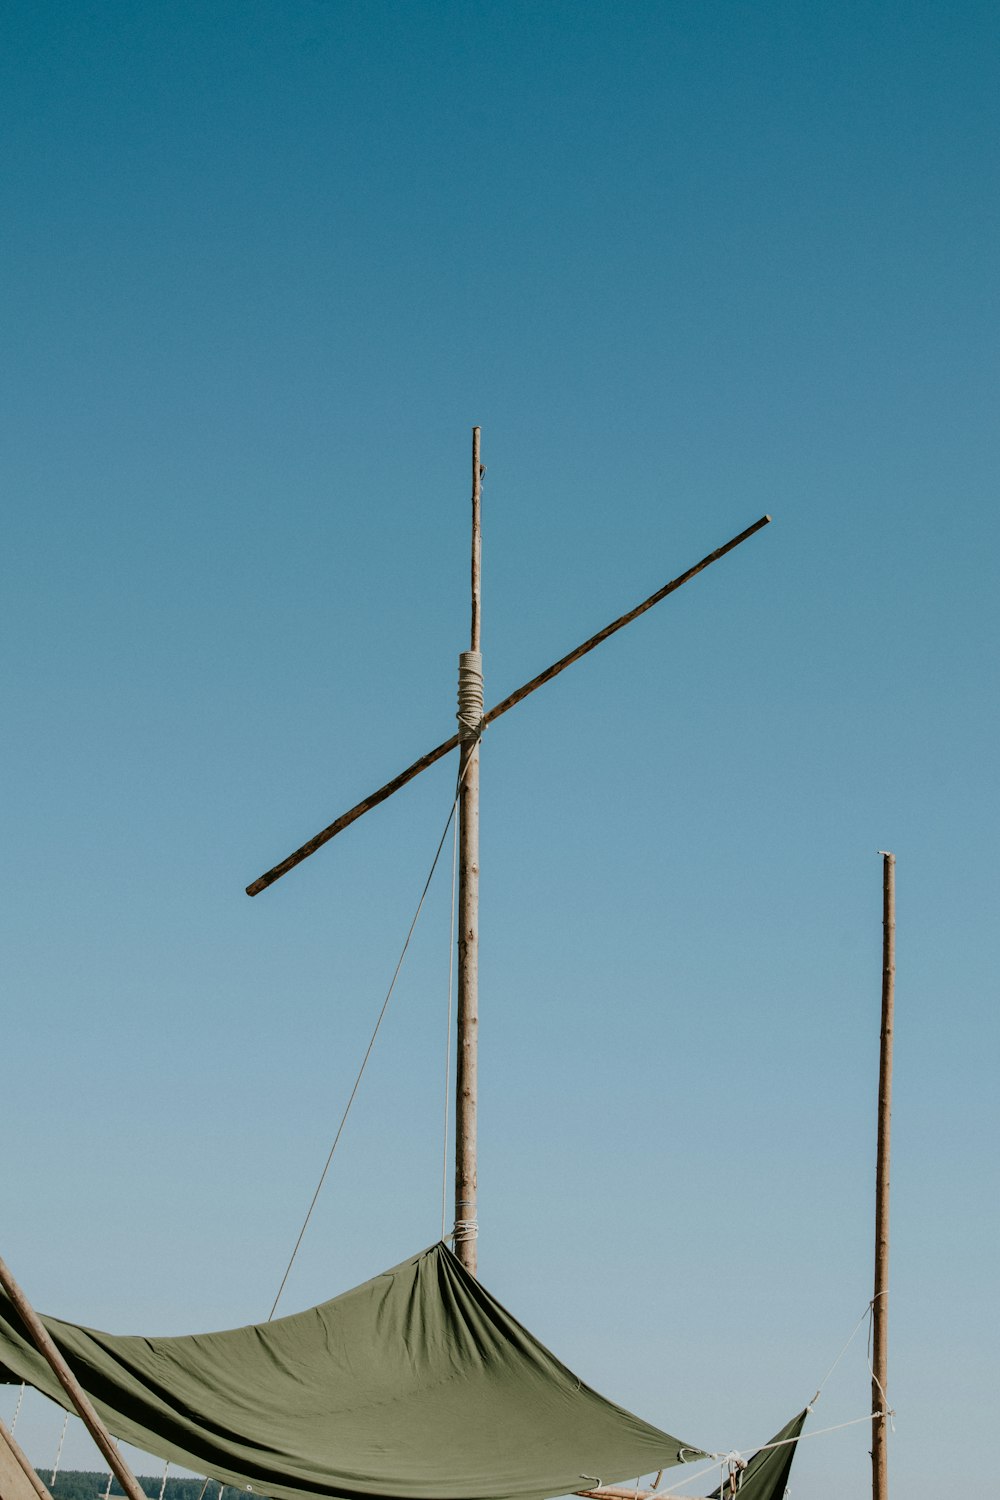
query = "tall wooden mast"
{"x": 880, "y": 1300}
{"x": 472, "y": 721}
{"x": 470, "y": 715}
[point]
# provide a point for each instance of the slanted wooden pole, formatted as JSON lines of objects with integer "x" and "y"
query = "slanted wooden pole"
{"x": 880, "y": 1301}
{"x": 467, "y": 1062}
{"x": 70, "y": 1385}
{"x": 432, "y": 756}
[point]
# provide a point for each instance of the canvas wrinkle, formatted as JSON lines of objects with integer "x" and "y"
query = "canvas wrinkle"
{"x": 416, "y": 1386}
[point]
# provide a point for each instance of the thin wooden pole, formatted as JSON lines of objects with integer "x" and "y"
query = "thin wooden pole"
{"x": 476, "y": 578}
{"x": 70, "y": 1385}
{"x": 880, "y": 1301}
{"x": 374, "y": 798}
{"x": 467, "y": 1052}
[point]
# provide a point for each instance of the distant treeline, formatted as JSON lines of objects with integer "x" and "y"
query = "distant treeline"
{"x": 81, "y": 1484}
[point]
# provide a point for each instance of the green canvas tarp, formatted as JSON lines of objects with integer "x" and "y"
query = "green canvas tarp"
{"x": 766, "y": 1474}
{"x": 417, "y": 1385}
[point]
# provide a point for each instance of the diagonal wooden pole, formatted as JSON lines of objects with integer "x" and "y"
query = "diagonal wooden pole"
{"x": 353, "y": 813}
{"x": 880, "y": 1300}
{"x": 70, "y": 1384}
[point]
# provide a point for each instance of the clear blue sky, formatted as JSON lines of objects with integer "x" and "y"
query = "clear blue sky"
{"x": 264, "y": 265}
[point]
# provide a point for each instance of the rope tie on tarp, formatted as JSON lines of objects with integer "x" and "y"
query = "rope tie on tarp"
{"x": 735, "y": 1464}
{"x": 470, "y": 695}
{"x": 748, "y": 1453}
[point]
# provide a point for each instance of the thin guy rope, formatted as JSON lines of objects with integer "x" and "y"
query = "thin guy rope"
{"x": 447, "y": 1048}
{"x": 371, "y": 1044}
{"x": 720, "y": 1458}
{"x": 866, "y": 1314}
{"x": 62, "y": 1439}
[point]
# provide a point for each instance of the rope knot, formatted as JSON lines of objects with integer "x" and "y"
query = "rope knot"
{"x": 736, "y": 1464}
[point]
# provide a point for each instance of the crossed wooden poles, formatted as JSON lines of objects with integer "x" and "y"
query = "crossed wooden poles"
{"x": 353, "y": 813}
{"x": 472, "y": 721}
{"x": 14, "y": 1466}
{"x": 468, "y": 1015}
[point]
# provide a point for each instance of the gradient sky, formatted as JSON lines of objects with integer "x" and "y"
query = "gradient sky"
{"x": 264, "y": 265}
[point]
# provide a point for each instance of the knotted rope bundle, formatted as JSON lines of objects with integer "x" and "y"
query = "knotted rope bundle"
{"x": 470, "y": 694}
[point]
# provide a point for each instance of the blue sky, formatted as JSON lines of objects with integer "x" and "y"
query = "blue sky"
{"x": 264, "y": 267}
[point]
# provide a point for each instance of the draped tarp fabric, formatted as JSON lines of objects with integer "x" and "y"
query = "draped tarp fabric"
{"x": 766, "y": 1475}
{"x": 417, "y": 1384}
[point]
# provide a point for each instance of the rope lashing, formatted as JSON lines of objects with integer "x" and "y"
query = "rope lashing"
{"x": 735, "y": 1465}
{"x": 887, "y": 1410}
{"x": 470, "y": 695}
{"x": 465, "y": 1229}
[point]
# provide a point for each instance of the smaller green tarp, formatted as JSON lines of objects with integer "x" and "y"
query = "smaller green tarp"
{"x": 417, "y": 1385}
{"x": 766, "y": 1474}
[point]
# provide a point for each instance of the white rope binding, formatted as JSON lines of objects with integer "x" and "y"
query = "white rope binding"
{"x": 470, "y": 695}
{"x": 465, "y": 1229}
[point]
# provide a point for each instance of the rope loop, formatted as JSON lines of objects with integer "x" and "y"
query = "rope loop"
{"x": 735, "y": 1464}
{"x": 465, "y": 1229}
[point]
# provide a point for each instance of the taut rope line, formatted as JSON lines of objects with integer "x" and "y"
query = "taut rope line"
{"x": 368, "y": 1050}
{"x": 723, "y": 1458}
{"x": 866, "y": 1314}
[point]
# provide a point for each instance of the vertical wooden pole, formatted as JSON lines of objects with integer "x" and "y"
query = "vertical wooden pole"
{"x": 880, "y": 1307}
{"x": 467, "y": 1063}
